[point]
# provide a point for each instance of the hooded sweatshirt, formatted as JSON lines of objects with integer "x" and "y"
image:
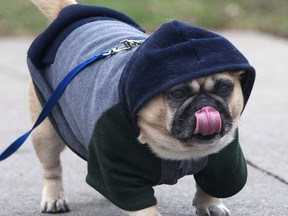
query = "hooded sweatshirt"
{"x": 96, "y": 115}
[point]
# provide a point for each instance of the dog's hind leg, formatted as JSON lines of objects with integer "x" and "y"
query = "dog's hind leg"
{"x": 48, "y": 146}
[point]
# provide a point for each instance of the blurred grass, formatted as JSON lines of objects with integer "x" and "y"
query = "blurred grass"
{"x": 21, "y": 17}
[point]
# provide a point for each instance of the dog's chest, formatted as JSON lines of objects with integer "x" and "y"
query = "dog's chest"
{"x": 171, "y": 171}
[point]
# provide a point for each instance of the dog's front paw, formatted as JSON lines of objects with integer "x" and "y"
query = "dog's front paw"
{"x": 207, "y": 205}
{"x": 51, "y": 205}
{"x": 212, "y": 210}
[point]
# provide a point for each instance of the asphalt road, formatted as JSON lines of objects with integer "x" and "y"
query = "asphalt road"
{"x": 263, "y": 136}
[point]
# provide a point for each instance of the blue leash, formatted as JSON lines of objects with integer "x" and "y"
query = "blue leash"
{"x": 52, "y": 101}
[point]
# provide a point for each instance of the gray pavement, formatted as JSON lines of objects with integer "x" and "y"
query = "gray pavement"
{"x": 263, "y": 135}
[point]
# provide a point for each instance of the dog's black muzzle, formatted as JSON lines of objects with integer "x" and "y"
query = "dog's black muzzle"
{"x": 184, "y": 123}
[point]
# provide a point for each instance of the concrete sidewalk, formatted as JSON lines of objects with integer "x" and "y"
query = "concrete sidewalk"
{"x": 263, "y": 136}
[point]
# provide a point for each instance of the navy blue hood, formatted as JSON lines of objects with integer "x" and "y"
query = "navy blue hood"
{"x": 178, "y": 52}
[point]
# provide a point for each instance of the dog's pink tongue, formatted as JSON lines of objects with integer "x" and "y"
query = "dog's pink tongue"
{"x": 208, "y": 121}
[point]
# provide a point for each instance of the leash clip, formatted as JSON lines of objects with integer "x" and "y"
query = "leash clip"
{"x": 128, "y": 45}
{"x": 131, "y": 43}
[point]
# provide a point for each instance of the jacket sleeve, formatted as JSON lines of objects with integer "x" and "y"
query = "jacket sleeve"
{"x": 119, "y": 167}
{"x": 225, "y": 173}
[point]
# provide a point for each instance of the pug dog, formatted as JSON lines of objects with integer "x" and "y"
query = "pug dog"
{"x": 181, "y": 124}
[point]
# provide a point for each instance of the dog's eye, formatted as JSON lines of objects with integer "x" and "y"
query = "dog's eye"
{"x": 178, "y": 94}
{"x": 224, "y": 88}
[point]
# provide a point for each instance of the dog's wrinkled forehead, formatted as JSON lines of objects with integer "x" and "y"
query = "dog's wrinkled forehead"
{"x": 207, "y": 82}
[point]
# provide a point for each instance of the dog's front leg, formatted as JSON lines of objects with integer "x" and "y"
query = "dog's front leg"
{"x": 150, "y": 211}
{"x": 206, "y": 205}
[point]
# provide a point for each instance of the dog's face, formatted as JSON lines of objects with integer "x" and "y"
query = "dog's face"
{"x": 193, "y": 119}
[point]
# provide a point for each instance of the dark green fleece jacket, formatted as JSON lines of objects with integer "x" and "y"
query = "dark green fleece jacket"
{"x": 125, "y": 171}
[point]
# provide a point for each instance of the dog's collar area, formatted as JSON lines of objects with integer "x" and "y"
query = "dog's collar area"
{"x": 128, "y": 45}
